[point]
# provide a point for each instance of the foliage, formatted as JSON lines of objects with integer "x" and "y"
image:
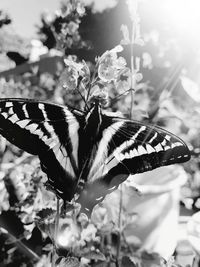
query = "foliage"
{"x": 4, "y": 19}
{"x": 61, "y": 29}
{"x": 79, "y": 241}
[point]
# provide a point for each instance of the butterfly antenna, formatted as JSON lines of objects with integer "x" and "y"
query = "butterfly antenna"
{"x": 118, "y": 96}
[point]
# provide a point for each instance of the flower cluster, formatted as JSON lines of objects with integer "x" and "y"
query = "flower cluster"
{"x": 73, "y": 73}
{"x": 109, "y": 65}
{"x": 109, "y": 73}
{"x": 63, "y": 25}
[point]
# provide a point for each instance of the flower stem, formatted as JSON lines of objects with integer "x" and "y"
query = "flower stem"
{"x": 119, "y": 224}
{"x": 91, "y": 83}
{"x": 133, "y": 32}
{"x": 78, "y": 89}
{"x": 86, "y": 106}
{"x": 132, "y": 82}
{"x": 56, "y": 232}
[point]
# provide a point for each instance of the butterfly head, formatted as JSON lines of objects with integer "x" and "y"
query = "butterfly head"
{"x": 99, "y": 98}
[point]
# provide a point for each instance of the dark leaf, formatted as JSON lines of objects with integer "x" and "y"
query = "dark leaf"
{"x": 94, "y": 255}
{"x": 127, "y": 262}
{"x": 151, "y": 259}
{"x": 46, "y": 214}
{"x": 68, "y": 262}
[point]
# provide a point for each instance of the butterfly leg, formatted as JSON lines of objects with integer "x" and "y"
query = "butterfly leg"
{"x": 64, "y": 205}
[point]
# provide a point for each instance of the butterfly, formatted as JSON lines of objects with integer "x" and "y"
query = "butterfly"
{"x": 86, "y": 154}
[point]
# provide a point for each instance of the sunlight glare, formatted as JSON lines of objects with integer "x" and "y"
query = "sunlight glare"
{"x": 184, "y": 15}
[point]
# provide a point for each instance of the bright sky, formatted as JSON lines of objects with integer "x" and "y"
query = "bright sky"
{"x": 26, "y": 13}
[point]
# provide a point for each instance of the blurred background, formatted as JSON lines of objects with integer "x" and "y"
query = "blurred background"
{"x": 33, "y": 43}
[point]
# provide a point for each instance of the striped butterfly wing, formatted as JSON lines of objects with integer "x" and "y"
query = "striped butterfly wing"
{"x": 128, "y": 147}
{"x": 90, "y": 153}
{"x": 49, "y": 131}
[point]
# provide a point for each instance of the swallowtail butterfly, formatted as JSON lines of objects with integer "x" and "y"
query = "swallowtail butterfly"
{"x": 88, "y": 153}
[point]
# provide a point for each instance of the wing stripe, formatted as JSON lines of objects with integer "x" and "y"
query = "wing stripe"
{"x": 4, "y": 114}
{"x": 8, "y": 104}
{"x": 32, "y": 127}
{"x": 117, "y": 154}
{"x": 40, "y": 134}
{"x": 153, "y": 138}
{"x": 13, "y": 118}
{"x": 34, "y": 111}
{"x": 18, "y": 109}
{"x": 127, "y": 144}
{"x": 73, "y": 129}
{"x": 26, "y": 114}
{"x": 22, "y": 123}
{"x": 10, "y": 111}
{"x": 41, "y": 106}
{"x": 102, "y": 150}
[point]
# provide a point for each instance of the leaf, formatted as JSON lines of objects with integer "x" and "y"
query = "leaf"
{"x": 191, "y": 88}
{"x": 103, "y": 264}
{"x": 70, "y": 207}
{"x": 127, "y": 262}
{"x": 68, "y": 262}
{"x": 94, "y": 255}
{"x": 45, "y": 220}
{"x": 151, "y": 259}
{"x": 46, "y": 214}
{"x": 134, "y": 242}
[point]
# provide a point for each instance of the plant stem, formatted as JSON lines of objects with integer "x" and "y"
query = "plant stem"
{"x": 119, "y": 225}
{"x": 56, "y": 232}
{"x": 132, "y": 67}
{"x": 131, "y": 91}
{"x": 23, "y": 247}
{"x": 91, "y": 83}
{"x": 57, "y": 218}
{"x": 118, "y": 97}
{"x": 82, "y": 98}
{"x": 78, "y": 89}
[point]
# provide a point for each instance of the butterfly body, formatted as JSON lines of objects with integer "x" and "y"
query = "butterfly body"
{"x": 89, "y": 153}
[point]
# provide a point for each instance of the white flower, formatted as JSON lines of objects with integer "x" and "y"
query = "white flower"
{"x": 72, "y": 27}
{"x": 125, "y": 32}
{"x": 88, "y": 234}
{"x": 69, "y": 78}
{"x": 132, "y": 6}
{"x": 110, "y": 64}
{"x": 72, "y": 72}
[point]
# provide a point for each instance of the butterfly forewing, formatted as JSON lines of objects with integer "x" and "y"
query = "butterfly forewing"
{"x": 130, "y": 147}
{"x": 47, "y": 130}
